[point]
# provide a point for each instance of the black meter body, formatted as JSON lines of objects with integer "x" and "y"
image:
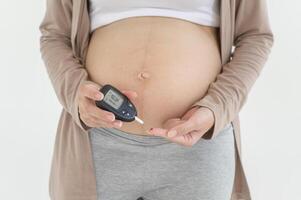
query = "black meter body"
{"x": 116, "y": 102}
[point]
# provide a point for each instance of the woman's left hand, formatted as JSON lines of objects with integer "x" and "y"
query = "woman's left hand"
{"x": 189, "y": 129}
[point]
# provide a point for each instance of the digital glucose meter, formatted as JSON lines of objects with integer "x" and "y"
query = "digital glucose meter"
{"x": 119, "y": 104}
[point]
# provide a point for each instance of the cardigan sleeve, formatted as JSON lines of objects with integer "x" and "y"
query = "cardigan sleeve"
{"x": 253, "y": 40}
{"x": 64, "y": 70}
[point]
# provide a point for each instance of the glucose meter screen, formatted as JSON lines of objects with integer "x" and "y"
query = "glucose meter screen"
{"x": 113, "y": 99}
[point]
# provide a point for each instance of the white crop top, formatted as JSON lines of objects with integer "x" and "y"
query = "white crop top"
{"x": 204, "y": 12}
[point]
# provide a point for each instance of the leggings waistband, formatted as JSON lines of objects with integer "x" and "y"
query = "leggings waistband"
{"x": 130, "y": 137}
{"x": 135, "y": 138}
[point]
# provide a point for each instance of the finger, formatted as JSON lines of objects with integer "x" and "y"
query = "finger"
{"x": 130, "y": 94}
{"x": 91, "y": 121}
{"x": 91, "y": 91}
{"x": 102, "y": 123}
{"x": 117, "y": 123}
{"x": 184, "y": 140}
{"x": 182, "y": 128}
{"x": 101, "y": 116}
{"x": 95, "y": 122}
{"x": 157, "y": 132}
{"x": 99, "y": 113}
{"x": 188, "y": 139}
{"x": 196, "y": 136}
{"x": 114, "y": 124}
{"x": 168, "y": 124}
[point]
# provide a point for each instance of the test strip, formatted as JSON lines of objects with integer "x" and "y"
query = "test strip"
{"x": 139, "y": 120}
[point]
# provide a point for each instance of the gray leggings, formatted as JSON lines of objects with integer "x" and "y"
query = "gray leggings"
{"x": 129, "y": 166}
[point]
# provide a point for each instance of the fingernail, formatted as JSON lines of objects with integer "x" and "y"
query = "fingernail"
{"x": 172, "y": 133}
{"x": 98, "y": 96}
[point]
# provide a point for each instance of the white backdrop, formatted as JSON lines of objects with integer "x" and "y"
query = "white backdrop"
{"x": 270, "y": 120}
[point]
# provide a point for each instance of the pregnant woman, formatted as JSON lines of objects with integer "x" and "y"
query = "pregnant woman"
{"x": 174, "y": 60}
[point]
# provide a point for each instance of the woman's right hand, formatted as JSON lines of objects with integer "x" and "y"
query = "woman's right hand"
{"x": 92, "y": 115}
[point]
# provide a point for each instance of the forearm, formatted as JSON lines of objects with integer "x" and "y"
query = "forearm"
{"x": 228, "y": 93}
{"x": 64, "y": 69}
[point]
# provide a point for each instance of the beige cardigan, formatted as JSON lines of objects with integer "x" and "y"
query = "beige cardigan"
{"x": 63, "y": 44}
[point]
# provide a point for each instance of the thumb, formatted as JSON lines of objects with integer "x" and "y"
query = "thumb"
{"x": 168, "y": 124}
{"x": 132, "y": 95}
{"x": 94, "y": 84}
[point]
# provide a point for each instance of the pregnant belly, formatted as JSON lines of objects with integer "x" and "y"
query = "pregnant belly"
{"x": 169, "y": 62}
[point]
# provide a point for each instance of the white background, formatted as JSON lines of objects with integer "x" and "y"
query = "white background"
{"x": 270, "y": 120}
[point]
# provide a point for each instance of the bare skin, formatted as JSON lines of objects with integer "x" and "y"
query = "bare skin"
{"x": 163, "y": 64}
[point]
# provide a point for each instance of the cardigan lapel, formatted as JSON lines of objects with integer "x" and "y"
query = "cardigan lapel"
{"x": 225, "y": 30}
{"x": 77, "y": 11}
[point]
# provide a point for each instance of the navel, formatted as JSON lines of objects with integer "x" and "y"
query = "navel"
{"x": 143, "y": 75}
